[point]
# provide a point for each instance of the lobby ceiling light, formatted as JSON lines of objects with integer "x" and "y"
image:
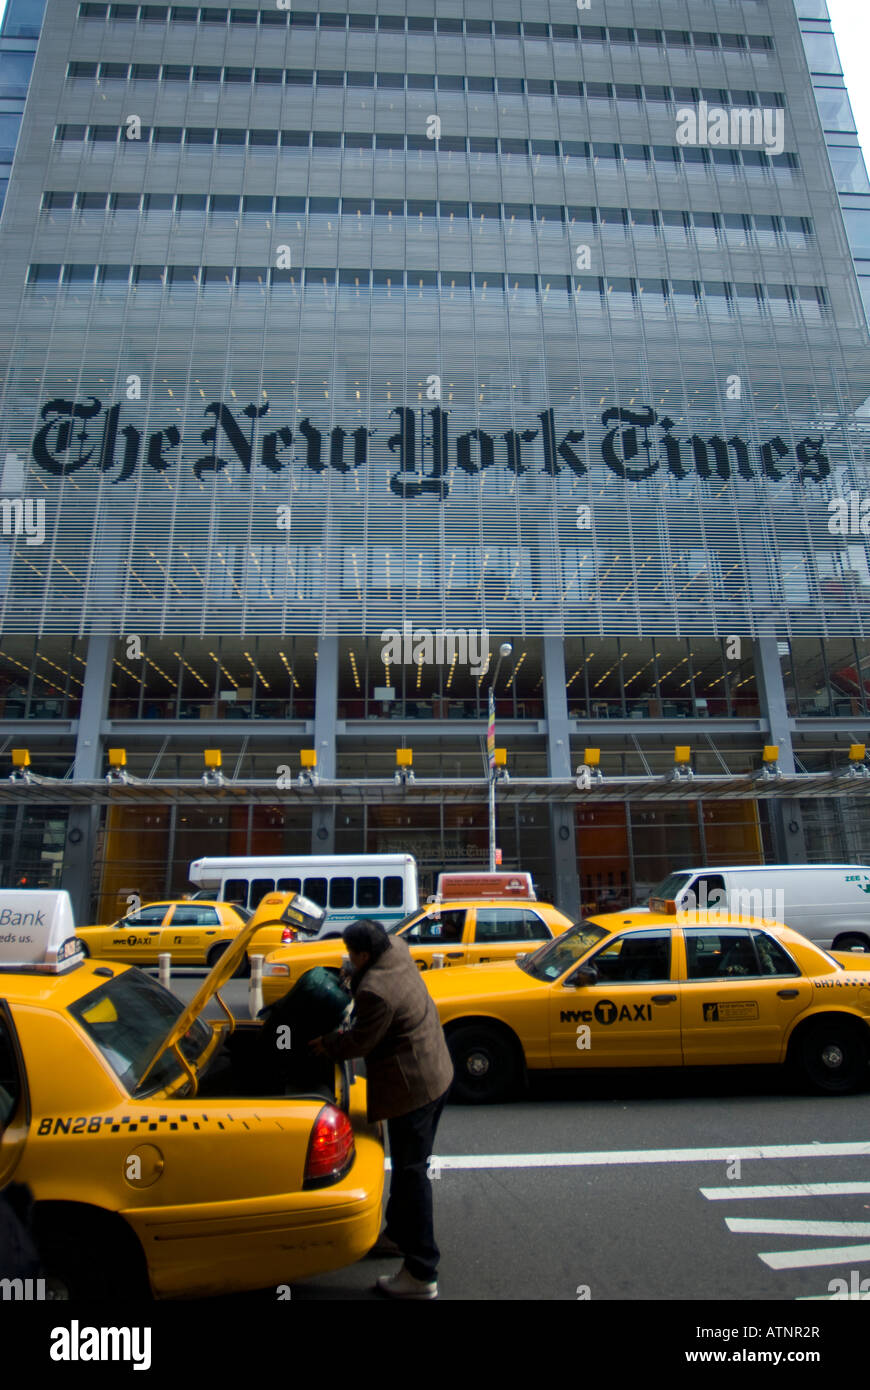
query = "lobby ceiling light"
{"x": 195, "y": 674}
{"x": 223, "y": 670}
{"x": 515, "y": 671}
{"x": 163, "y": 673}
{"x": 289, "y": 670}
{"x": 55, "y": 666}
{"x": 258, "y": 673}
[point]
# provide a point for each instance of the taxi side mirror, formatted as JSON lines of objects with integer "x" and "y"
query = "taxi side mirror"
{"x": 584, "y": 975}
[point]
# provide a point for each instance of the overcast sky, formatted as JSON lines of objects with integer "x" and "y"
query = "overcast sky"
{"x": 851, "y": 21}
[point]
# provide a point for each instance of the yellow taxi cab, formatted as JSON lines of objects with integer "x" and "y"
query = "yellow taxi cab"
{"x": 194, "y": 933}
{"x": 643, "y": 990}
{"x": 463, "y": 932}
{"x": 157, "y": 1158}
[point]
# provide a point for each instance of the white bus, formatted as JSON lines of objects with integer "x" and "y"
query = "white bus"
{"x": 380, "y": 886}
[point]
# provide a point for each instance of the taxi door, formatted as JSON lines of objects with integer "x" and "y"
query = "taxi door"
{"x": 14, "y": 1099}
{"x": 741, "y": 991}
{"x": 137, "y": 938}
{"x": 443, "y": 930}
{"x": 629, "y": 1016}
{"x": 503, "y": 931}
{"x": 190, "y": 932}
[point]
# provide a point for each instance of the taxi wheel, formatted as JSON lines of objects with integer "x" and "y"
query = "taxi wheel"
{"x": 484, "y": 1064}
{"x": 832, "y": 1057}
{"x": 215, "y": 954}
{"x": 87, "y": 1254}
{"x": 850, "y": 942}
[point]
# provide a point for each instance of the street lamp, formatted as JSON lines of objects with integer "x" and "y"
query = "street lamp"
{"x": 504, "y": 650}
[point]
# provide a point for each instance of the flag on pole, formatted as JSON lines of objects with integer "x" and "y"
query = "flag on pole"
{"x": 490, "y": 733}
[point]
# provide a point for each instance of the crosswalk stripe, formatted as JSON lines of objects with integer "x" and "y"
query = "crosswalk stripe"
{"x": 808, "y": 1259}
{"x": 735, "y": 1192}
{"x": 752, "y": 1226}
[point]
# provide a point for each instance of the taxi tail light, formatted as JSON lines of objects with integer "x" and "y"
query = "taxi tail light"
{"x": 330, "y": 1148}
{"x": 288, "y": 935}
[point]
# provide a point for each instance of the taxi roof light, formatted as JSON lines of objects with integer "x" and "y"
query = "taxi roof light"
{"x": 37, "y": 931}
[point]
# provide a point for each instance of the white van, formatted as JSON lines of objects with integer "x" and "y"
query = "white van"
{"x": 829, "y": 903}
{"x": 380, "y": 886}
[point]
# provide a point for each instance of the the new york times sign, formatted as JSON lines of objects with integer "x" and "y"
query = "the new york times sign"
{"x": 635, "y": 444}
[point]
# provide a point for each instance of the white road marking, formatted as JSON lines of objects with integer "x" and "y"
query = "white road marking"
{"x": 607, "y": 1157}
{"x": 735, "y": 1191}
{"x": 808, "y": 1259}
{"x": 751, "y": 1226}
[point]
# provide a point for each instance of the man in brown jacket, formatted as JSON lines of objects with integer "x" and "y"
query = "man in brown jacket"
{"x": 396, "y": 1028}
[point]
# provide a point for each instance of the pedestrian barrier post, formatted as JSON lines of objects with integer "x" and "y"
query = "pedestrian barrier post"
{"x": 255, "y": 986}
{"x": 164, "y": 968}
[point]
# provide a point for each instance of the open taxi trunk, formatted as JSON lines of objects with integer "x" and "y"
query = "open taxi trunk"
{"x": 263, "y": 1057}
{"x": 242, "y": 1068}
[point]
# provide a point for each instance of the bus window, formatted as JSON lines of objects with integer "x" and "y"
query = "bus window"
{"x": 235, "y": 891}
{"x": 259, "y": 888}
{"x": 368, "y": 892}
{"x": 315, "y": 889}
{"x": 341, "y": 892}
{"x": 394, "y": 892}
{"x": 289, "y": 885}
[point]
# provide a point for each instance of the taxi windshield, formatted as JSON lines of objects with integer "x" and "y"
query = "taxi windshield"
{"x": 128, "y": 1019}
{"x": 395, "y": 927}
{"x": 552, "y": 960}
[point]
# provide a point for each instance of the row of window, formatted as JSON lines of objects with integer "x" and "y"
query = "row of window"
{"x": 735, "y": 229}
{"x": 448, "y": 144}
{"x": 228, "y": 277}
{"x": 425, "y": 24}
{"x": 364, "y": 892}
{"x": 421, "y": 81}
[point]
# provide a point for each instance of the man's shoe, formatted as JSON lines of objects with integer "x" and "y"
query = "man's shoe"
{"x": 404, "y": 1285}
{"x": 385, "y": 1249}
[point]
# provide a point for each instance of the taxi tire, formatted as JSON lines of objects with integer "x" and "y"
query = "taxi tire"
{"x": 849, "y": 941}
{"x": 214, "y": 955}
{"x": 88, "y": 1253}
{"x": 475, "y": 1046}
{"x": 832, "y": 1037}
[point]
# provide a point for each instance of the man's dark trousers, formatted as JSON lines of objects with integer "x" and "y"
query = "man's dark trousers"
{"x": 409, "y": 1209}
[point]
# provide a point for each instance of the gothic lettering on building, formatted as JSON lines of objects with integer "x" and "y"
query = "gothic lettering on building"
{"x": 636, "y": 444}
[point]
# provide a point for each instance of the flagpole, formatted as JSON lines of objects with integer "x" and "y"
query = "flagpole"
{"x": 504, "y": 650}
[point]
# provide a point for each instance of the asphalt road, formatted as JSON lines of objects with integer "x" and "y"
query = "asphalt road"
{"x": 641, "y": 1185}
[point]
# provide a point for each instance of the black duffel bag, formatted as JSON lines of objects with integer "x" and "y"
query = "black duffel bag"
{"x": 315, "y": 1005}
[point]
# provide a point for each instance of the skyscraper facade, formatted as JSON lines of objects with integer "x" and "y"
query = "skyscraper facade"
{"x": 341, "y": 347}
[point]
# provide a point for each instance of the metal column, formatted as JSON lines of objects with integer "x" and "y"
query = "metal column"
{"x": 83, "y": 822}
{"x": 325, "y": 714}
{"x": 563, "y": 835}
{"x": 785, "y": 813}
